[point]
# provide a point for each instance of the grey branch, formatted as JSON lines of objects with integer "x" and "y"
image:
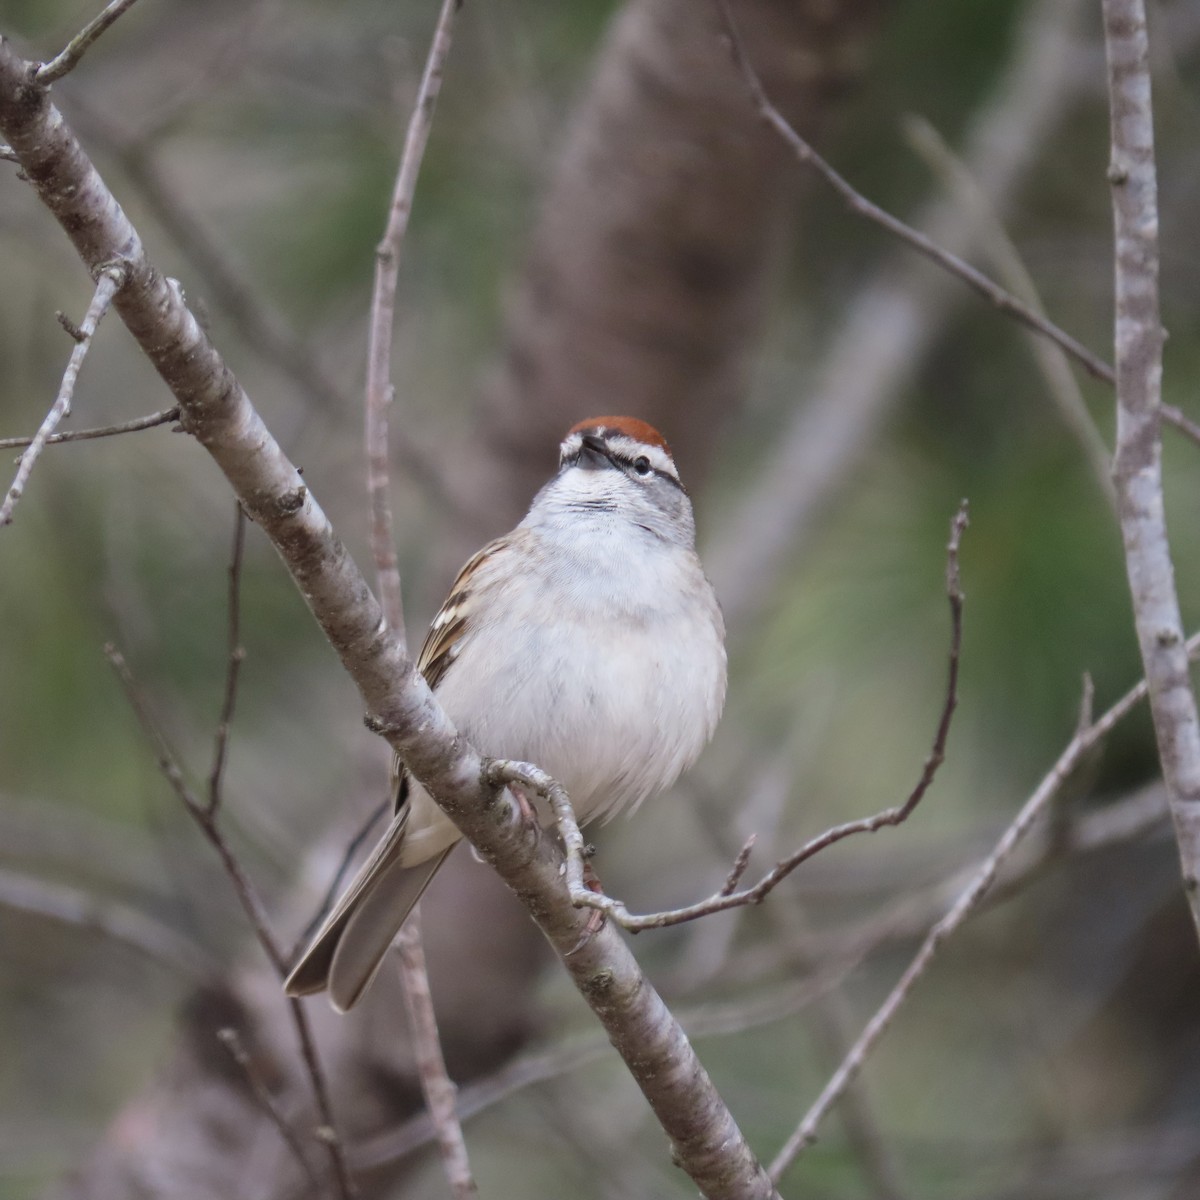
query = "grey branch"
{"x": 233, "y": 668}
{"x": 83, "y": 435}
{"x": 379, "y": 394}
{"x": 861, "y": 206}
{"x": 436, "y": 1085}
{"x": 78, "y": 46}
{"x": 215, "y": 409}
{"x": 1137, "y": 464}
{"x": 966, "y": 903}
{"x": 252, "y": 905}
{"x": 109, "y": 281}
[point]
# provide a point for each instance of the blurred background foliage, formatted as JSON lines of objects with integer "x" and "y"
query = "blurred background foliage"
{"x": 1054, "y": 1050}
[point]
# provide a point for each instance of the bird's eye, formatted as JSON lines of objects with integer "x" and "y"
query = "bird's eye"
{"x": 641, "y": 465}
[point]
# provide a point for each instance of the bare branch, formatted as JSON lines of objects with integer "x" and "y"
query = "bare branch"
{"x": 383, "y": 318}
{"x": 968, "y": 900}
{"x": 260, "y": 325}
{"x": 441, "y": 1096}
{"x": 1181, "y": 421}
{"x": 706, "y": 1140}
{"x": 78, "y": 46}
{"x": 255, "y": 912}
{"x": 108, "y": 282}
{"x": 1055, "y": 367}
{"x": 262, "y": 1093}
{"x": 436, "y": 1086}
{"x": 83, "y": 435}
{"x": 727, "y": 898}
{"x": 1137, "y": 464}
{"x": 237, "y": 655}
{"x": 861, "y": 206}
{"x": 891, "y": 322}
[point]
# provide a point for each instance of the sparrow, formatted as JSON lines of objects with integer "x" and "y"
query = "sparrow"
{"x": 588, "y": 641}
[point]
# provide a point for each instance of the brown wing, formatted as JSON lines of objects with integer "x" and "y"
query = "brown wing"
{"x": 442, "y": 642}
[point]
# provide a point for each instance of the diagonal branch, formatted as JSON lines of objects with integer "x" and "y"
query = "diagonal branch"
{"x": 214, "y": 408}
{"x": 255, "y": 912}
{"x": 1086, "y": 737}
{"x": 228, "y": 1037}
{"x": 1137, "y": 464}
{"x": 861, "y": 206}
{"x": 109, "y": 281}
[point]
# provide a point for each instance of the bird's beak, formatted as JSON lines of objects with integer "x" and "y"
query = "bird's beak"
{"x": 593, "y": 453}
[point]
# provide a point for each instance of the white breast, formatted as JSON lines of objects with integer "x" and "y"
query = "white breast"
{"x": 584, "y": 667}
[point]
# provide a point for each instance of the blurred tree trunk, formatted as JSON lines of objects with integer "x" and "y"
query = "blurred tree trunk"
{"x": 645, "y": 282}
{"x": 653, "y": 256}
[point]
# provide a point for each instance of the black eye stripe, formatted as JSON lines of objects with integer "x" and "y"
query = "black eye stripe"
{"x": 619, "y": 459}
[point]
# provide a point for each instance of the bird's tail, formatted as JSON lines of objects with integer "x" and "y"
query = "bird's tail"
{"x": 349, "y": 948}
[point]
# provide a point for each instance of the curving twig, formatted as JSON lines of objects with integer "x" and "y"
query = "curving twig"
{"x": 78, "y": 46}
{"x": 108, "y": 281}
{"x": 728, "y": 897}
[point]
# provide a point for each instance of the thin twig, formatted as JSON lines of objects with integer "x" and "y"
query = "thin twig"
{"x": 967, "y": 901}
{"x": 1061, "y": 382}
{"x": 237, "y": 655}
{"x": 233, "y": 1044}
{"x": 75, "y": 49}
{"x": 726, "y": 898}
{"x": 861, "y": 206}
{"x": 441, "y": 1096}
{"x": 436, "y": 1085}
{"x": 379, "y": 391}
{"x": 108, "y": 283}
{"x": 757, "y": 1007}
{"x": 1181, "y": 421}
{"x": 83, "y": 435}
{"x": 1137, "y": 463}
{"x": 254, "y": 909}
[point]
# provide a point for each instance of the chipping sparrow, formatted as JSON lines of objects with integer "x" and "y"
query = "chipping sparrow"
{"x": 587, "y": 641}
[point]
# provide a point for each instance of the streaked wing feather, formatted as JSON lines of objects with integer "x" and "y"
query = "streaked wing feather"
{"x": 442, "y": 641}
